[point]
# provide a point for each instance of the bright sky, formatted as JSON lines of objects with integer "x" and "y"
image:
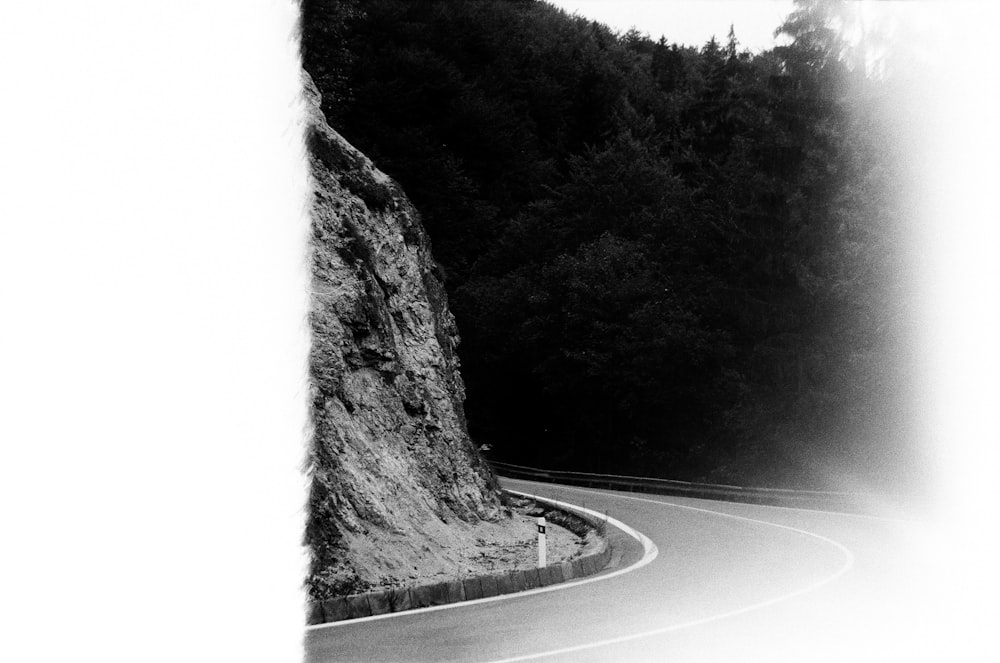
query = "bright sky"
{"x": 691, "y": 22}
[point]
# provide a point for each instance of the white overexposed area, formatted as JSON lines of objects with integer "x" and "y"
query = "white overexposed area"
{"x": 153, "y": 350}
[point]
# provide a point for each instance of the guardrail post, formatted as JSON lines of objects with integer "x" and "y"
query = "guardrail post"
{"x": 541, "y": 542}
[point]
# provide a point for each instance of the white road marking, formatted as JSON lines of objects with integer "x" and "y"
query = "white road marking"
{"x": 650, "y": 551}
{"x": 848, "y": 564}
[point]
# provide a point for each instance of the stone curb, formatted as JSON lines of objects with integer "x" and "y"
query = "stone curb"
{"x": 400, "y": 599}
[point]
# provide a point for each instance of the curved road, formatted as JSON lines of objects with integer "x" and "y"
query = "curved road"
{"x": 729, "y": 582}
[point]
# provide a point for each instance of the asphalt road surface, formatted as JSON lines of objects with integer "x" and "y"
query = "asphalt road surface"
{"x": 728, "y": 582}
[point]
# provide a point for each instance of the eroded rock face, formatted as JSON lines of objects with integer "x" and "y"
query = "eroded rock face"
{"x": 397, "y": 482}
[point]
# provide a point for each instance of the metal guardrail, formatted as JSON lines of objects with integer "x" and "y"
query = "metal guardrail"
{"x": 818, "y": 499}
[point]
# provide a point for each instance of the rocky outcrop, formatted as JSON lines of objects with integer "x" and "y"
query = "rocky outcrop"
{"x": 397, "y": 484}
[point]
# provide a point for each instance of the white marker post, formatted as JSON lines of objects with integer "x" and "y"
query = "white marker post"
{"x": 541, "y": 542}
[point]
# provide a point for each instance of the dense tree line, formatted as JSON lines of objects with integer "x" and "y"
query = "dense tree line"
{"x": 663, "y": 260}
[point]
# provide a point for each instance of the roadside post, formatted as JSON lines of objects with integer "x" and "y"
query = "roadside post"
{"x": 541, "y": 542}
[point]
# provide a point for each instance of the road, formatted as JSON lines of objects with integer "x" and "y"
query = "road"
{"x": 729, "y": 582}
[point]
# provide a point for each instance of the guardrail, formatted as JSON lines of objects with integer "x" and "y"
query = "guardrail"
{"x": 817, "y": 499}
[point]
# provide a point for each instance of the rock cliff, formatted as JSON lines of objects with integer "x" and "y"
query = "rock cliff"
{"x": 398, "y": 488}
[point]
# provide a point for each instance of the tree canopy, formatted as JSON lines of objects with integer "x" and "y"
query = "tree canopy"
{"x": 663, "y": 260}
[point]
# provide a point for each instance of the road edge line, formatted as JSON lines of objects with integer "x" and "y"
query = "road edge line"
{"x": 847, "y": 566}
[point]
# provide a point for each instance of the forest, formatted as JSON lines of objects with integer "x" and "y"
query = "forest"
{"x": 668, "y": 261}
